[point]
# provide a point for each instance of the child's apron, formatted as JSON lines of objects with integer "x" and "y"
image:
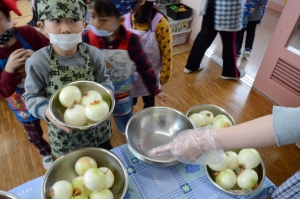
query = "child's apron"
{"x": 62, "y": 142}
{"x": 151, "y": 48}
{"x": 15, "y": 101}
{"x": 120, "y": 69}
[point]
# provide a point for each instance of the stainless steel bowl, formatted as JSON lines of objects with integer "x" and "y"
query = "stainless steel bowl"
{"x": 152, "y": 127}
{"x": 64, "y": 169}
{"x": 7, "y": 195}
{"x": 260, "y": 169}
{"x": 57, "y": 110}
{"x": 216, "y": 110}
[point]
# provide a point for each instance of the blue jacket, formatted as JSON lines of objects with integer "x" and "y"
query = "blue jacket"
{"x": 249, "y": 8}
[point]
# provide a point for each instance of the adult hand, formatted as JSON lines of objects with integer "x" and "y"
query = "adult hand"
{"x": 53, "y": 121}
{"x": 17, "y": 59}
{"x": 162, "y": 96}
{"x": 194, "y": 146}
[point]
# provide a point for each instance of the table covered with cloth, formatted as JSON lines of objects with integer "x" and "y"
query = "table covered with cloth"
{"x": 181, "y": 181}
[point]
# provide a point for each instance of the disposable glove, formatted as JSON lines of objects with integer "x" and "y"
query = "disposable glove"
{"x": 193, "y": 146}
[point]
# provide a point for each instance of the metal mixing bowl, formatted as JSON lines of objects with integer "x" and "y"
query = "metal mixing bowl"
{"x": 152, "y": 127}
{"x": 64, "y": 169}
{"x": 260, "y": 170}
{"x": 57, "y": 110}
{"x": 216, "y": 110}
{"x": 7, "y": 195}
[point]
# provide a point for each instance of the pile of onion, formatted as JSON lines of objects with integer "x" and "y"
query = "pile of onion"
{"x": 237, "y": 170}
{"x": 206, "y": 117}
{"x": 91, "y": 183}
{"x": 83, "y": 109}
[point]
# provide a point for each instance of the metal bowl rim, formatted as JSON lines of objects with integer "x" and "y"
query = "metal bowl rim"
{"x": 212, "y": 105}
{"x": 86, "y": 126}
{"x": 142, "y": 157}
{"x": 239, "y": 194}
{"x": 83, "y": 149}
{"x": 5, "y": 193}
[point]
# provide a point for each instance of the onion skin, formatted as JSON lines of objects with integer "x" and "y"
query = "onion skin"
{"x": 79, "y": 188}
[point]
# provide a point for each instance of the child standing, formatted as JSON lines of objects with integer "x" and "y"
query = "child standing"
{"x": 120, "y": 48}
{"x": 16, "y": 45}
{"x": 156, "y": 37}
{"x": 67, "y": 59}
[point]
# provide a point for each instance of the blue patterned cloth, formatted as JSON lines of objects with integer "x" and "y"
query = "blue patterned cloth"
{"x": 228, "y": 15}
{"x": 181, "y": 181}
{"x": 124, "y": 6}
{"x": 249, "y": 8}
{"x": 290, "y": 189}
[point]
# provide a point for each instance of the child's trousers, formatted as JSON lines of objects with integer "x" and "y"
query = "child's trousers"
{"x": 35, "y": 136}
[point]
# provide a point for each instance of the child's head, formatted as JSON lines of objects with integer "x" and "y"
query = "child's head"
{"x": 5, "y": 7}
{"x": 145, "y": 11}
{"x": 60, "y": 18}
{"x": 107, "y": 14}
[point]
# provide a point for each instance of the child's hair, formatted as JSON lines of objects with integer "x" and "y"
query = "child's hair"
{"x": 5, "y": 12}
{"x": 147, "y": 14}
{"x": 34, "y": 11}
{"x": 105, "y": 8}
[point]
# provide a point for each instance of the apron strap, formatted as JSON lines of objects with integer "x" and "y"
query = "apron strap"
{"x": 127, "y": 21}
{"x": 156, "y": 20}
{"x": 25, "y": 45}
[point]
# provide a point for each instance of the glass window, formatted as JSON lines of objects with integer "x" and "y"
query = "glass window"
{"x": 294, "y": 43}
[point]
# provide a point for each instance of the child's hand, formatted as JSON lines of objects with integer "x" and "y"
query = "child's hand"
{"x": 162, "y": 96}
{"x": 17, "y": 59}
{"x": 53, "y": 121}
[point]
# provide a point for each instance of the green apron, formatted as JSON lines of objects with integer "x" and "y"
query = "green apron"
{"x": 61, "y": 141}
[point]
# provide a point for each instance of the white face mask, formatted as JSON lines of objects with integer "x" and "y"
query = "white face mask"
{"x": 65, "y": 41}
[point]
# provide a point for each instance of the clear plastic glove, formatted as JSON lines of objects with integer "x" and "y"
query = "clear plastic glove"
{"x": 193, "y": 146}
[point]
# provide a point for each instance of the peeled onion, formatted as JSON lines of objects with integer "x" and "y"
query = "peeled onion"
{"x": 216, "y": 118}
{"x": 68, "y": 95}
{"x": 102, "y": 194}
{"x": 61, "y": 190}
{"x": 220, "y": 166}
{"x": 97, "y": 110}
{"x": 249, "y": 158}
{"x": 232, "y": 160}
{"x": 89, "y": 97}
{"x": 83, "y": 164}
{"x": 198, "y": 120}
{"x": 109, "y": 177}
{"x": 75, "y": 116}
{"x": 222, "y": 123}
{"x": 80, "y": 197}
{"x": 208, "y": 116}
{"x": 79, "y": 188}
{"x": 247, "y": 179}
{"x": 226, "y": 179}
{"x": 94, "y": 179}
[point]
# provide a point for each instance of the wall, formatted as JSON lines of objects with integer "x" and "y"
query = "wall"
{"x": 197, "y": 20}
{"x": 277, "y": 5}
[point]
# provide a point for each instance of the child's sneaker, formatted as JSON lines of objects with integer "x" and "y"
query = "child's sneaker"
{"x": 247, "y": 52}
{"x": 47, "y": 161}
{"x": 298, "y": 144}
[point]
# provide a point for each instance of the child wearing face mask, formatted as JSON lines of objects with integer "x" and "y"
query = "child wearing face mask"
{"x": 120, "y": 48}
{"x": 66, "y": 60}
{"x": 16, "y": 45}
{"x": 156, "y": 37}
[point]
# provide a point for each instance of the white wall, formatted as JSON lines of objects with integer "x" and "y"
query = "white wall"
{"x": 197, "y": 20}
